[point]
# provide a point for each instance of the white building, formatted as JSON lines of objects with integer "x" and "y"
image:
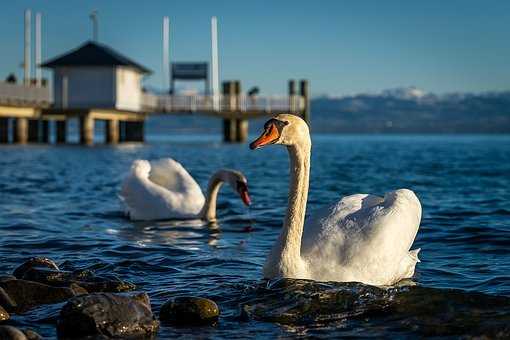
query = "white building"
{"x": 95, "y": 76}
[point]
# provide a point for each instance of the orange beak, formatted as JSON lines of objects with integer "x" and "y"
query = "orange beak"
{"x": 269, "y": 136}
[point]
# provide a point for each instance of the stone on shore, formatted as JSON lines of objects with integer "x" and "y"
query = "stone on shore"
{"x": 34, "y": 262}
{"x": 83, "y": 278}
{"x": 107, "y": 314}
{"x": 3, "y": 314}
{"x": 13, "y": 333}
{"x": 189, "y": 310}
{"x": 26, "y": 294}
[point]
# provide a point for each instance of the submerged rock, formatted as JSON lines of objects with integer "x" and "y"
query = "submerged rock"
{"x": 22, "y": 295}
{"x": 83, "y": 278}
{"x": 106, "y": 314}
{"x": 34, "y": 262}
{"x": 46, "y": 271}
{"x": 3, "y": 314}
{"x": 189, "y": 310}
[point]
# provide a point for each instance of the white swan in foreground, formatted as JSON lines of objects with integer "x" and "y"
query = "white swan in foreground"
{"x": 361, "y": 238}
{"x": 164, "y": 190}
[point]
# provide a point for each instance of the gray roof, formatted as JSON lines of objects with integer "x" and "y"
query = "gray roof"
{"x": 93, "y": 54}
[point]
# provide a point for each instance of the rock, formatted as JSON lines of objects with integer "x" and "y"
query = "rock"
{"x": 189, "y": 310}
{"x": 31, "y": 335}
{"x": 11, "y": 333}
{"x": 107, "y": 314}
{"x": 27, "y": 294}
{"x": 5, "y": 300}
{"x": 84, "y": 278}
{"x": 3, "y": 314}
{"x": 34, "y": 262}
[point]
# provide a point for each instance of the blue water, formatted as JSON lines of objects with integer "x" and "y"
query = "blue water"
{"x": 61, "y": 202}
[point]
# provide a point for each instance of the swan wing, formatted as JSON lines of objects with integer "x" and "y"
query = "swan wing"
{"x": 364, "y": 238}
{"x": 148, "y": 193}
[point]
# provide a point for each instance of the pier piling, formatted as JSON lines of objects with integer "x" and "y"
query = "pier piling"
{"x": 112, "y": 131}
{"x": 33, "y": 130}
{"x": 20, "y": 128}
{"x": 45, "y": 131}
{"x": 61, "y": 131}
{"x": 86, "y": 130}
{"x": 4, "y": 130}
{"x": 304, "y": 91}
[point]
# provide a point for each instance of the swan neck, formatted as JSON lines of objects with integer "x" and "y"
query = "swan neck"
{"x": 292, "y": 231}
{"x": 208, "y": 212}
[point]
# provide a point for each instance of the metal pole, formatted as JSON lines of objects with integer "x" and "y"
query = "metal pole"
{"x": 166, "y": 53}
{"x": 215, "y": 83}
{"x": 38, "y": 50}
{"x": 95, "y": 26}
{"x": 26, "y": 63}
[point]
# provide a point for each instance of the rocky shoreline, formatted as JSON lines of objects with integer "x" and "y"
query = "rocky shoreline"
{"x": 97, "y": 306}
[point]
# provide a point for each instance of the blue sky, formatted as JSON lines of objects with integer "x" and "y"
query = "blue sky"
{"x": 343, "y": 47}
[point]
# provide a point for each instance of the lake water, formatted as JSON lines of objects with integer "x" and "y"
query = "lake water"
{"x": 61, "y": 202}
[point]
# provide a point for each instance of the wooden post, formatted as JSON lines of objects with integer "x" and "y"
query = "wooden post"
{"x": 45, "y": 131}
{"x": 4, "y": 130}
{"x": 292, "y": 94}
{"x": 304, "y": 91}
{"x": 112, "y": 131}
{"x": 61, "y": 131}
{"x": 122, "y": 131}
{"x": 229, "y": 124}
{"x": 33, "y": 130}
{"x": 86, "y": 130}
{"x": 241, "y": 125}
{"x": 20, "y": 130}
{"x": 241, "y": 130}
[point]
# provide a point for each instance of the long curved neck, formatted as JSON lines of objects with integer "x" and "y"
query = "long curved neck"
{"x": 289, "y": 242}
{"x": 209, "y": 209}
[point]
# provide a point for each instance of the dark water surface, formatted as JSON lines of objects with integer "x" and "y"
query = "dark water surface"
{"x": 61, "y": 202}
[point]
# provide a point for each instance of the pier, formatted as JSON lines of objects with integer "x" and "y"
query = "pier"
{"x": 27, "y": 111}
{"x": 93, "y": 82}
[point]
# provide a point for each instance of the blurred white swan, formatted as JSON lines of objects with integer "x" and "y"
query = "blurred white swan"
{"x": 163, "y": 190}
{"x": 361, "y": 238}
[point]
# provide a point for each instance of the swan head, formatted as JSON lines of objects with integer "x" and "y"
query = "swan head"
{"x": 285, "y": 129}
{"x": 238, "y": 183}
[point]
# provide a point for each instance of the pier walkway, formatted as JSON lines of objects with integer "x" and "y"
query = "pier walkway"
{"x": 31, "y": 109}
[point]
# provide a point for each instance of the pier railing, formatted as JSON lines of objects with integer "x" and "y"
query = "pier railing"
{"x": 222, "y": 103}
{"x": 15, "y": 94}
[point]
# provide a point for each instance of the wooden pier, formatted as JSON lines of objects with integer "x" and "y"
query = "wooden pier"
{"x": 26, "y": 113}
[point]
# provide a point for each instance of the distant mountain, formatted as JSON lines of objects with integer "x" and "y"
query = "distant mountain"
{"x": 410, "y": 110}
{"x": 399, "y": 110}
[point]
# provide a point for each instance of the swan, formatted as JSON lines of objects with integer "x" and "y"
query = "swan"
{"x": 362, "y": 238}
{"x": 163, "y": 189}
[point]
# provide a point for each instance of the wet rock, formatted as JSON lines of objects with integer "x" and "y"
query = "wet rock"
{"x": 189, "y": 310}
{"x": 31, "y": 335}
{"x": 11, "y": 333}
{"x": 3, "y": 314}
{"x": 5, "y": 300}
{"x": 84, "y": 278}
{"x": 34, "y": 262}
{"x": 106, "y": 314}
{"x": 26, "y": 294}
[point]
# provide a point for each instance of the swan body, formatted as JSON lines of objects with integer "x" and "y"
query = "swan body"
{"x": 363, "y": 238}
{"x": 163, "y": 189}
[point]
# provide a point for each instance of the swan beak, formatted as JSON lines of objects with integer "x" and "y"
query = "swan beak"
{"x": 270, "y": 136}
{"x": 243, "y": 192}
